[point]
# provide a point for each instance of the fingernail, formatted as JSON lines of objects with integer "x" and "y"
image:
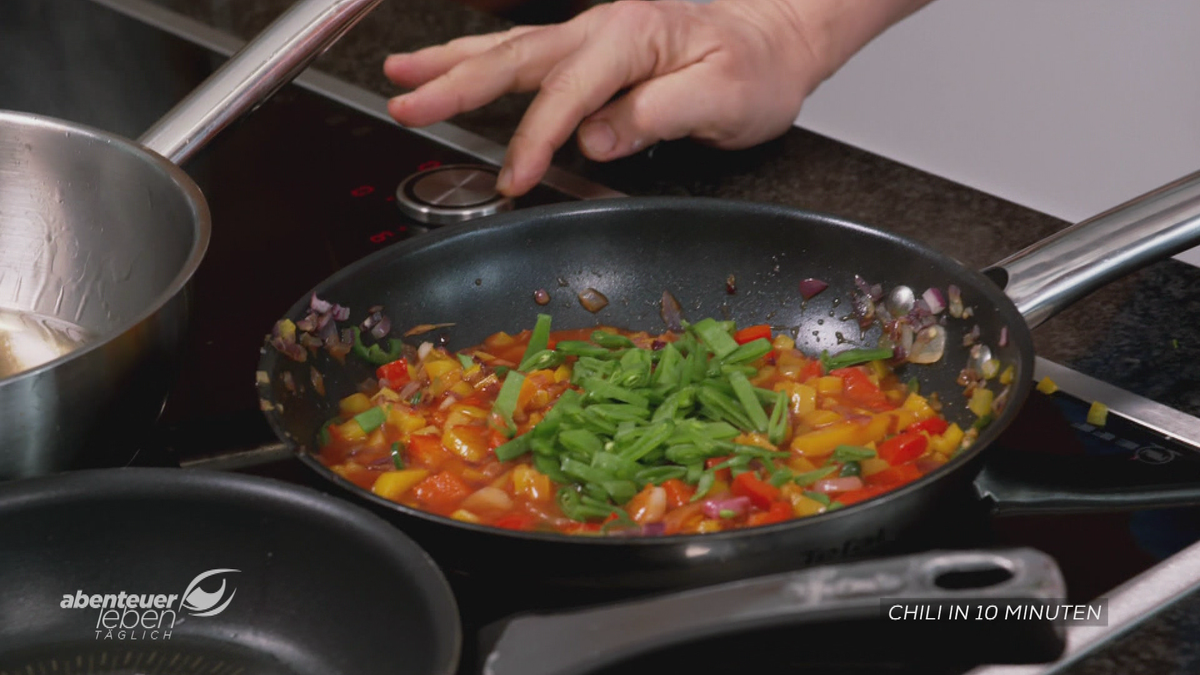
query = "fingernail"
{"x": 504, "y": 180}
{"x": 598, "y": 138}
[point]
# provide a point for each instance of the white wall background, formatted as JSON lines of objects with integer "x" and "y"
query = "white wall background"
{"x": 1068, "y": 107}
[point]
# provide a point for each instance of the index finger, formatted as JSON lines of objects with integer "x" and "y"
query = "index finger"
{"x": 517, "y": 64}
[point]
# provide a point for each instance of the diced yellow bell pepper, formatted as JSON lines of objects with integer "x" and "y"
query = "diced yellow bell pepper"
{"x": 822, "y": 442}
{"x": 1098, "y": 414}
{"x": 468, "y": 442}
{"x": 404, "y": 422}
{"x": 800, "y": 464}
{"x": 1006, "y": 377}
{"x": 981, "y": 401}
{"x": 802, "y": 399}
{"x": 393, "y": 484}
{"x": 462, "y": 389}
{"x": 872, "y": 465}
{"x": 879, "y": 370}
{"x": 948, "y": 441}
{"x": 783, "y": 343}
{"x": 349, "y": 431}
{"x": 532, "y": 483}
{"x": 437, "y": 367}
{"x": 1047, "y": 386}
{"x": 919, "y": 405}
{"x": 821, "y": 418}
{"x": 465, "y": 516}
{"x": 806, "y": 506}
{"x": 562, "y": 373}
{"x": 354, "y": 404}
{"x": 829, "y": 384}
{"x": 707, "y": 526}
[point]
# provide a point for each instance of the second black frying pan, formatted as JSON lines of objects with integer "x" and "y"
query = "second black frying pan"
{"x": 482, "y": 278}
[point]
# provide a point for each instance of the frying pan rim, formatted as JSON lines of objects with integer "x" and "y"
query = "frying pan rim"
{"x": 127, "y": 483}
{"x": 1019, "y": 334}
{"x": 193, "y": 195}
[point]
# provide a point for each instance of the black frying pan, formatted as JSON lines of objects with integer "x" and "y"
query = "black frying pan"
{"x": 482, "y": 277}
{"x": 255, "y": 576}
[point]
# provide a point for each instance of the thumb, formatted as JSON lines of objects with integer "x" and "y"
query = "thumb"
{"x": 661, "y": 109}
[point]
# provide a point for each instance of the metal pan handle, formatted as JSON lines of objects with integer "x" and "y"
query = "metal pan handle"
{"x": 266, "y": 63}
{"x": 1048, "y": 276}
{"x": 582, "y": 641}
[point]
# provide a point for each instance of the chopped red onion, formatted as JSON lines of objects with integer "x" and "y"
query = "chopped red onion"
{"x": 809, "y": 288}
{"x": 318, "y": 305}
{"x": 341, "y": 313}
{"x": 308, "y": 323}
{"x": 934, "y": 299}
{"x": 409, "y": 389}
{"x": 289, "y": 382}
{"x": 671, "y": 312}
{"x": 928, "y": 345}
{"x": 292, "y": 350}
{"x": 424, "y": 350}
{"x": 1003, "y": 341}
{"x": 843, "y": 484}
{"x": 369, "y": 386}
{"x": 318, "y": 380}
{"x": 654, "y": 529}
{"x": 592, "y": 300}
{"x": 737, "y": 505}
{"x": 955, "y": 305}
{"x": 541, "y": 297}
{"x": 382, "y": 328}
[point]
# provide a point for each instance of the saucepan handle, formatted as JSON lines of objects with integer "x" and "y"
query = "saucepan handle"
{"x": 1143, "y": 478}
{"x": 582, "y": 641}
{"x": 266, "y": 63}
{"x": 1047, "y": 277}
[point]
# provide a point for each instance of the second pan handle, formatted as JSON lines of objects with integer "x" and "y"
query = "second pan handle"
{"x": 582, "y": 641}
{"x": 266, "y": 63}
{"x": 1048, "y": 276}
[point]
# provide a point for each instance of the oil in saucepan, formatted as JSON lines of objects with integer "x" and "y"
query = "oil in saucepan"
{"x": 28, "y": 340}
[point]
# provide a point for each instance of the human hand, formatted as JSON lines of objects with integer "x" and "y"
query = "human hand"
{"x": 732, "y": 74}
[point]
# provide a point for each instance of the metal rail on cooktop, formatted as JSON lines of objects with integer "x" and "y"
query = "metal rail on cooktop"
{"x": 1129, "y": 604}
{"x": 350, "y": 95}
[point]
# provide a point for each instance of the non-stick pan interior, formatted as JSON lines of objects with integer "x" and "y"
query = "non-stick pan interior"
{"x": 232, "y": 574}
{"x": 728, "y": 260}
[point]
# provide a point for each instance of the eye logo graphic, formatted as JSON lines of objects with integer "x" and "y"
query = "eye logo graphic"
{"x": 200, "y": 602}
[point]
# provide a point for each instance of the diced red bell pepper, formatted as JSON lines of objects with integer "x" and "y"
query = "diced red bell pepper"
{"x": 861, "y": 494}
{"x": 934, "y": 426}
{"x": 859, "y": 388}
{"x": 779, "y": 512}
{"x": 761, "y": 493}
{"x": 895, "y": 476}
{"x": 903, "y": 448}
{"x": 515, "y": 521}
{"x": 426, "y": 452}
{"x": 679, "y": 493}
{"x": 396, "y": 373}
{"x": 752, "y": 333}
{"x": 810, "y": 370}
{"x": 441, "y": 492}
{"x": 722, "y": 474}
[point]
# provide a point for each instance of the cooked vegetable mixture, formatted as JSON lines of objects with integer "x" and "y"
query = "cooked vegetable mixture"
{"x": 614, "y": 432}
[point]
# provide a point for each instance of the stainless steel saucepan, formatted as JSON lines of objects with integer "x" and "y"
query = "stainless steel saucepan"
{"x": 99, "y": 237}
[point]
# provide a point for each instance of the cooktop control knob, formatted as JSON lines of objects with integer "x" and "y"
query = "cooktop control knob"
{"x": 451, "y": 194}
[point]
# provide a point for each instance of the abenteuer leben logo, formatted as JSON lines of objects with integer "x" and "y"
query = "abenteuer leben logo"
{"x": 152, "y": 616}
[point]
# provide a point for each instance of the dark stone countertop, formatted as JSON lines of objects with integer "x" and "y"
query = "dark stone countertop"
{"x": 1136, "y": 333}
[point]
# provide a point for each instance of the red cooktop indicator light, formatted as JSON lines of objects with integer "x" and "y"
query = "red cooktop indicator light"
{"x": 362, "y": 190}
{"x": 431, "y": 164}
{"x": 380, "y": 237}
